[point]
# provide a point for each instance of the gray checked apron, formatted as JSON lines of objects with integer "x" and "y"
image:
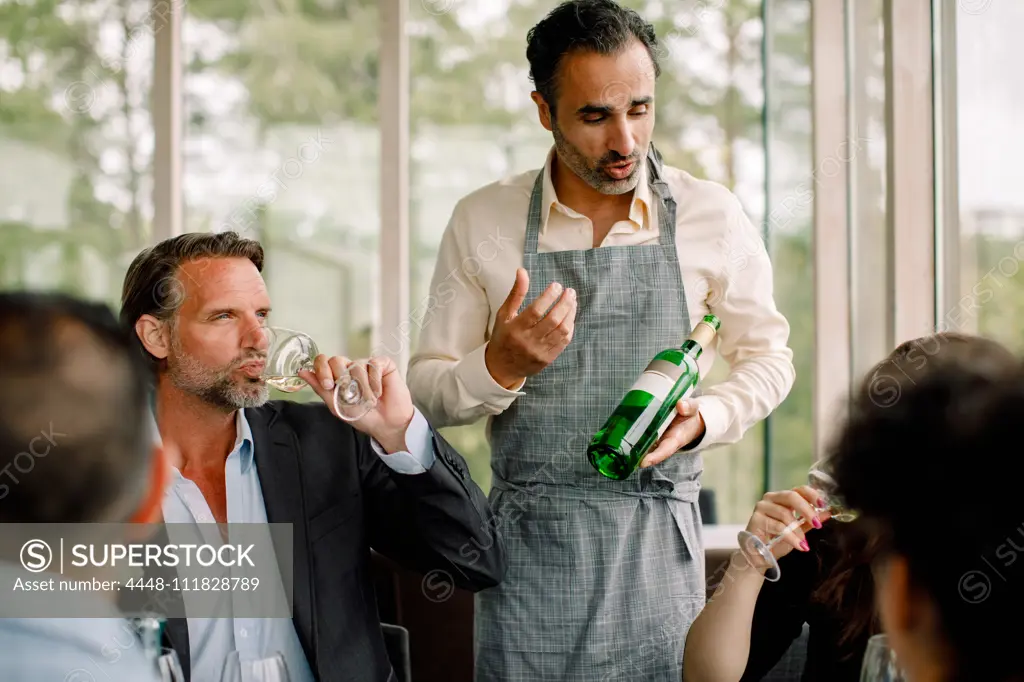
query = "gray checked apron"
{"x": 605, "y": 577}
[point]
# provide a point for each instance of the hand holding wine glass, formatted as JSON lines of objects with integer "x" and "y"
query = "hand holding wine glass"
{"x": 761, "y": 552}
{"x": 782, "y": 519}
{"x": 290, "y": 353}
{"x": 378, "y": 380}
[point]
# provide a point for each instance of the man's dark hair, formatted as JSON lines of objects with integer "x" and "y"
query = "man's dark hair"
{"x": 152, "y": 285}
{"x": 601, "y": 26}
{"x": 75, "y": 437}
{"x": 935, "y": 475}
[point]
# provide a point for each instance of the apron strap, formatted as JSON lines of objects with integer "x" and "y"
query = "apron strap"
{"x": 533, "y": 216}
{"x": 667, "y": 214}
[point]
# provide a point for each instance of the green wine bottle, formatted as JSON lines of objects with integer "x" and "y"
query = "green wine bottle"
{"x": 649, "y": 406}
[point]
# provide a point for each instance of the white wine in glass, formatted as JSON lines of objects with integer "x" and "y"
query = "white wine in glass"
{"x": 759, "y": 552}
{"x": 290, "y": 352}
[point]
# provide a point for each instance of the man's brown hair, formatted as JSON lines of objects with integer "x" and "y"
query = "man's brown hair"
{"x": 152, "y": 285}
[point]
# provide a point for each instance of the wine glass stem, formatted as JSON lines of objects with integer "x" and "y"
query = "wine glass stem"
{"x": 793, "y": 526}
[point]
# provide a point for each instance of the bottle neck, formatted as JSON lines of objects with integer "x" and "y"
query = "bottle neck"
{"x": 692, "y": 348}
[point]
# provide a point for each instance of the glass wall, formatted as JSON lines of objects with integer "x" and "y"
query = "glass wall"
{"x": 870, "y": 235}
{"x": 792, "y": 179}
{"x": 281, "y": 141}
{"x": 76, "y": 144}
{"x": 282, "y": 145}
{"x": 989, "y": 103}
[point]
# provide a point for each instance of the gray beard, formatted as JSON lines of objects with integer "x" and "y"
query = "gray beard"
{"x": 595, "y": 177}
{"x": 216, "y": 389}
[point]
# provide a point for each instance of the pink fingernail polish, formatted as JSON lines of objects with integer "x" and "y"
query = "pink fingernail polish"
{"x": 804, "y": 546}
{"x": 815, "y": 522}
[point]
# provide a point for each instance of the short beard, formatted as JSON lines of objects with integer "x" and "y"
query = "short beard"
{"x": 572, "y": 157}
{"x": 216, "y": 388}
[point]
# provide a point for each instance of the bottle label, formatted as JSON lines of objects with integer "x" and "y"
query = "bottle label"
{"x": 655, "y": 383}
{"x": 658, "y": 385}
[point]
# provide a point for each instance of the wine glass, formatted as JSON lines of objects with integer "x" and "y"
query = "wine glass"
{"x": 272, "y": 669}
{"x": 149, "y": 629}
{"x": 290, "y": 351}
{"x": 760, "y": 552}
{"x": 880, "y": 663}
{"x": 169, "y": 666}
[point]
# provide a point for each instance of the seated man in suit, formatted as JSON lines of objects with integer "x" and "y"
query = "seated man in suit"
{"x": 198, "y": 307}
{"x": 75, "y": 448}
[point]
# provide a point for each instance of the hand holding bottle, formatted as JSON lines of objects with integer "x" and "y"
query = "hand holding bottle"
{"x": 686, "y": 427}
{"x": 524, "y": 343}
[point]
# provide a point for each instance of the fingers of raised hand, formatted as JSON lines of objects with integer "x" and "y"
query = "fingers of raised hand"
{"x": 324, "y": 372}
{"x": 536, "y": 311}
{"x": 516, "y": 296}
{"x": 771, "y": 520}
{"x": 796, "y": 501}
{"x": 556, "y": 329}
{"x": 375, "y": 375}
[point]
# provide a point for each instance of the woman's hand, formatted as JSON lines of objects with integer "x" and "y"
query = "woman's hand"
{"x": 776, "y": 510}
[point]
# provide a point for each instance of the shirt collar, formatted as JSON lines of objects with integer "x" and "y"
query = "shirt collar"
{"x": 243, "y": 441}
{"x": 639, "y": 210}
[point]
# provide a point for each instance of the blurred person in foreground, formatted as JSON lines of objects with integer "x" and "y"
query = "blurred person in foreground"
{"x": 552, "y": 292}
{"x": 72, "y": 396}
{"x": 936, "y": 477}
{"x": 750, "y": 623}
{"x": 197, "y": 306}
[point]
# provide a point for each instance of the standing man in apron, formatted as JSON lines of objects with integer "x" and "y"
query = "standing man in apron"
{"x": 611, "y": 257}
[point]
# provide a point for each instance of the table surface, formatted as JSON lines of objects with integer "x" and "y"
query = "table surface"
{"x": 721, "y": 536}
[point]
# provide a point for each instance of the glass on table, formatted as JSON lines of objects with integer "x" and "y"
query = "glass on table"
{"x": 169, "y": 666}
{"x": 271, "y": 669}
{"x": 290, "y": 352}
{"x": 880, "y": 663}
{"x": 759, "y": 552}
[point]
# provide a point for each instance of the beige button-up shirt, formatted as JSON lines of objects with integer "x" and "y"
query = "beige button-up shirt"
{"x": 725, "y": 271}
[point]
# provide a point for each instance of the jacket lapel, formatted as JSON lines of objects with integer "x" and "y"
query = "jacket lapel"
{"x": 277, "y": 456}
{"x": 176, "y": 632}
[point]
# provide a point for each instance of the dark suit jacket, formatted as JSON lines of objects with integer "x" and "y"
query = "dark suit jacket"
{"x": 322, "y": 476}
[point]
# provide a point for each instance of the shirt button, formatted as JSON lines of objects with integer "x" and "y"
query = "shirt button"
{"x": 203, "y": 518}
{"x": 244, "y": 632}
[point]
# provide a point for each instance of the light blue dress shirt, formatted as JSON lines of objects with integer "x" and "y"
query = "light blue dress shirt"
{"x": 103, "y": 648}
{"x": 211, "y": 640}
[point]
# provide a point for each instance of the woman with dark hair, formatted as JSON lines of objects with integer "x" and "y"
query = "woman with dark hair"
{"x": 826, "y": 579}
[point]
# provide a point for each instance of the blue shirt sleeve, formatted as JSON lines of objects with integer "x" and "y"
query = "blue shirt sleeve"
{"x": 420, "y": 442}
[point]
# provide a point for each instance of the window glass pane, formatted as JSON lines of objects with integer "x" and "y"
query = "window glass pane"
{"x": 791, "y": 184}
{"x": 990, "y": 99}
{"x": 871, "y": 280}
{"x": 710, "y": 123}
{"x": 473, "y": 123}
{"x": 76, "y": 142}
{"x": 282, "y": 145}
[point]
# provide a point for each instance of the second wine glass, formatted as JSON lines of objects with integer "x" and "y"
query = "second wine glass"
{"x": 880, "y": 664}
{"x": 759, "y": 552}
{"x": 290, "y": 352}
{"x": 237, "y": 669}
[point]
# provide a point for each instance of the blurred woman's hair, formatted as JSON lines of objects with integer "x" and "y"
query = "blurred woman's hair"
{"x": 932, "y": 470}
{"x": 849, "y": 588}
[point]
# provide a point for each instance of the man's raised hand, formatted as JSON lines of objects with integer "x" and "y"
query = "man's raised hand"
{"x": 524, "y": 343}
